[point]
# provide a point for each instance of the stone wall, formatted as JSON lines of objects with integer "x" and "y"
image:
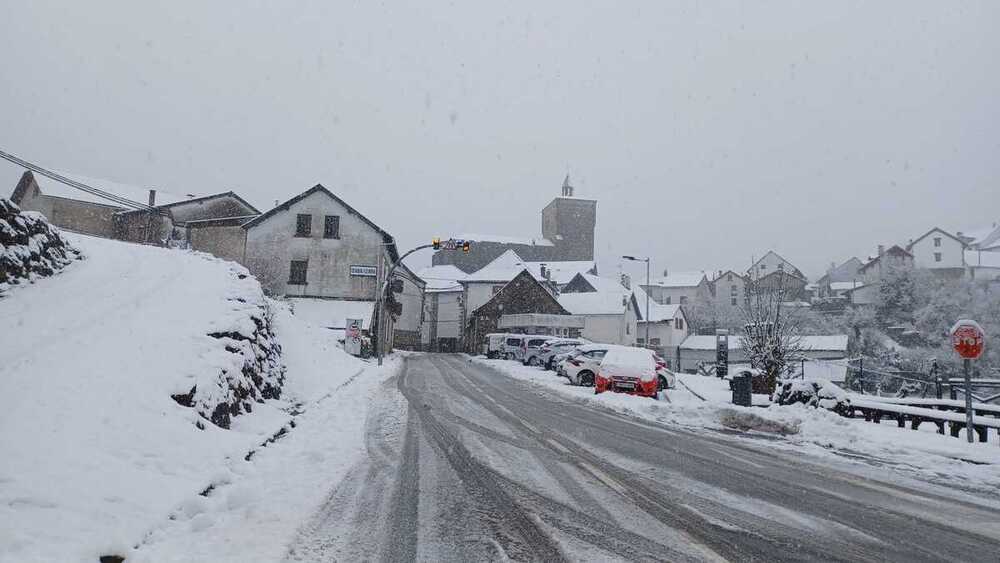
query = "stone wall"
{"x": 29, "y": 246}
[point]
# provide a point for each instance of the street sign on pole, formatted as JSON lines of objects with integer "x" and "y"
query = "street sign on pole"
{"x": 968, "y": 339}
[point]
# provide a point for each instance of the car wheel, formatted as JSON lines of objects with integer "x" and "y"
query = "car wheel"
{"x": 533, "y": 361}
{"x": 586, "y": 378}
{"x": 661, "y": 383}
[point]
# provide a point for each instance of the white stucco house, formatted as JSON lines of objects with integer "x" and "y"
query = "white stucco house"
{"x": 316, "y": 245}
{"x": 679, "y": 288}
{"x": 442, "y": 327}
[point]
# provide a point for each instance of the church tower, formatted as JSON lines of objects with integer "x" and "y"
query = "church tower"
{"x": 569, "y": 223}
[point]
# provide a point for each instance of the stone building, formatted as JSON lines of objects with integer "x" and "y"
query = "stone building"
{"x": 112, "y": 210}
{"x": 568, "y": 225}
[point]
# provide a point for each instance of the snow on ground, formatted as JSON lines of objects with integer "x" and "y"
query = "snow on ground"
{"x": 260, "y": 505}
{"x": 96, "y": 456}
{"x": 821, "y": 432}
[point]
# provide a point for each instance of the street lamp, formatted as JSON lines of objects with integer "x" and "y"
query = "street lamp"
{"x": 646, "y": 291}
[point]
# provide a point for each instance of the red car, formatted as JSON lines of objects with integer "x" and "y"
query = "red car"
{"x": 630, "y": 370}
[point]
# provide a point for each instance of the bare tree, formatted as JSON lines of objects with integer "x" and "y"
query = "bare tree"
{"x": 771, "y": 331}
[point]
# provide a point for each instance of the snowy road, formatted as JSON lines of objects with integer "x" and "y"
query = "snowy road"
{"x": 489, "y": 468}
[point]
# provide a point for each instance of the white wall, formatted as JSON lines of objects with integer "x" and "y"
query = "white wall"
{"x": 693, "y": 294}
{"x": 723, "y": 289}
{"x": 611, "y": 329}
{"x": 272, "y": 245}
{"x": 951, "y": 252}
{"x": 478, "y": 293}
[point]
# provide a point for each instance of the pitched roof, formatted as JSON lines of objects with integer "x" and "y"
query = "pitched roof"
{"x": 932, "y": 231}
{"x": 894, "y": 249}
{"x": 780, "y": 257}
{"x": 135, "y": 194}
{"x": 442, "y": 278}
{"x": 594, "y": 303}
{"x": 561, "y": 272}
{"x": 981, "y": 236}
{"x": 503, "y": 268}
{"x": 679, "y": 279}
{"x": 393, "y": 252}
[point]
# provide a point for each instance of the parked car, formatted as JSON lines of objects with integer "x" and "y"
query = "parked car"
{"x": 665, "y": 378}
{"x": 531, "y": 349}
{"x": 556, "y": 346}
{"x": 512, "y": 346}
{"x": 627, "y": 369}
{"x": 582, "y": 365}
{"x": 494, "y": 345}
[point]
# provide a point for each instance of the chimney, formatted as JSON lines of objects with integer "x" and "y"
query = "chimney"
{"x": 152, "y": 197}
{"x": 277, "y": 202}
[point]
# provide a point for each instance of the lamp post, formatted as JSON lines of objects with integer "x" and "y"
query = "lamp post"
{"x": 646, "y": 291}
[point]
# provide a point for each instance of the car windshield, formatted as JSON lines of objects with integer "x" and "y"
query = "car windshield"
{"x": 336, "y": 280}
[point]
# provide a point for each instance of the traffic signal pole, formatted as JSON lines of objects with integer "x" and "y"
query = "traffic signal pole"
{"x": 383, "y": 327}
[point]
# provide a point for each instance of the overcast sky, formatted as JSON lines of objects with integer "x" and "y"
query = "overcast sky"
{"x": 708, "y": 132}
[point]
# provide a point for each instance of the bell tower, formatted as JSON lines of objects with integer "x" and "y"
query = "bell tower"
{"x": 569, "y": 222}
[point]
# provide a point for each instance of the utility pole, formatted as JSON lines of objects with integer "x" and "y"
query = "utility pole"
{"x": 646, "y": 291}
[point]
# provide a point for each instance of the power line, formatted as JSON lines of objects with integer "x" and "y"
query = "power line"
{"x": 125, "y": 202}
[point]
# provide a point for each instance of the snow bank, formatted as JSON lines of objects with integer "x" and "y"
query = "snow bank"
{"x": 813, "y": 393}
{"x": 29, "y": 246}
{"x": 94, "y": 449}
{"x": 821, "y": 432}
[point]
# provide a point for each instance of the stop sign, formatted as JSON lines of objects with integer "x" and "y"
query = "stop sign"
{"x": 967, "y": 339}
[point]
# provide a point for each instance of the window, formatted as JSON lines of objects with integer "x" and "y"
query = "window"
{"x": 331, "y": 226}
{"x": 679, "y": 324}
{"x": 732, "y": 300}
{"x": 641, "y": 341}
{"x": 937, "y": 242}
{"x": 303, "y": 225}
{"x": 781, "y": 266}
{"x": 683, "y": 300}
{"x": 729, "y": 277}
{"x": 667, "y": 302}
{"x": 763, "y": 267}
{"x": 297, "y": 276}
{"x": 628, "y": 328}
{"x": 937, "y": 256}
{"x": 654, "y": 341}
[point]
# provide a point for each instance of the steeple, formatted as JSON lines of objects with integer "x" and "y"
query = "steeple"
{"x": 567, "y": 190}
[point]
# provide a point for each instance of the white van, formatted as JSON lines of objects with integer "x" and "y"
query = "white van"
{"x": 512, "y": 348}
{"x": 494, "y": 345}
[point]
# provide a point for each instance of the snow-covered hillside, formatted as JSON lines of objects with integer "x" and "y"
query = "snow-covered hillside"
{"x": 94, "y": 451}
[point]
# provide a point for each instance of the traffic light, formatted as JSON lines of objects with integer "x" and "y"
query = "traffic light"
{"x": 466, "y": 246}
{"x": 436, "y": 241}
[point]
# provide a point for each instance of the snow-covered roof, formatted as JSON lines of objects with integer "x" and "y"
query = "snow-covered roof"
{"x": 658, "y": 313}
{"x": 594, "y": 303}
{"x": 833, "y": 342}
{"x": 560, "y": 272}
{"x": 978, "y": 258}
{"x": 478, "y": 237}
{"x": 441, "y": 278}
{"x": 679, "y": 279}
{"x": 981, "y": 235}
{"x": 503, "y": 268}
{"x": 331, "y": 313}
{"x": 845, "y": 285}
{"x": 139, "y": 195}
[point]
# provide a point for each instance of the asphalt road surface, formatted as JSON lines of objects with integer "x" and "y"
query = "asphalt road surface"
{"x": 465, "y": 464}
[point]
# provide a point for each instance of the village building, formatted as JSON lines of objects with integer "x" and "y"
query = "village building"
{"x": 609, "y": 309}
{"x": 679, "y": 288}
{"x": 522, "y": 304}
{"x": 113, "y": 210}
{"x": 667, "y": 324}
{"x": 567, "y": 235}
{"x": 728, "y": 289}
{"x": 442, "y": 327}
{"x": 316, "y": 245}
{"x": 939, "y": 251}
{"x": 837, "y": 276}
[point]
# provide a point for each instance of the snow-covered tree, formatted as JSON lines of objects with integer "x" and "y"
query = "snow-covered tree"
{"x": 771, "y": 329}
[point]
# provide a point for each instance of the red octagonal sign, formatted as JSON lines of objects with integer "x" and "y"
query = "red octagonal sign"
{"x": 967, "y": 339}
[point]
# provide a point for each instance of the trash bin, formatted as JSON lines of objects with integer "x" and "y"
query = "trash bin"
{"x": 742, "y": 387}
